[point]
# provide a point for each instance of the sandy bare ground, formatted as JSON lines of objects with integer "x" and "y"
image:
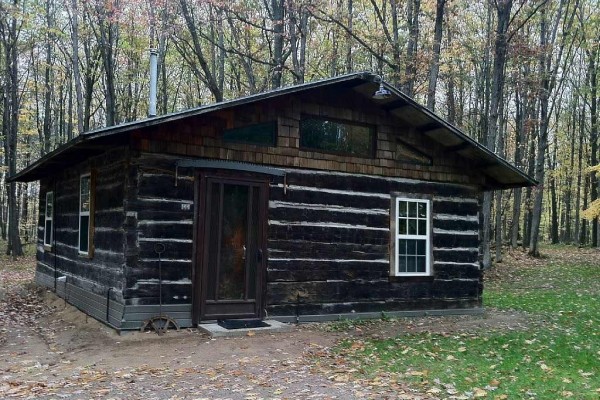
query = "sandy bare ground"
{"x": 49, "y": 349}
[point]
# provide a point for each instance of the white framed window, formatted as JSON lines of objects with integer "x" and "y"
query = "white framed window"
{"x": 48, "y": 219}
{"x": 411, "y": 230}
{"x": 84, "y": 213}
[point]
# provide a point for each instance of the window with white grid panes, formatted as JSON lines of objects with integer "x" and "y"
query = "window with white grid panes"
{"x": 413, "y": 237}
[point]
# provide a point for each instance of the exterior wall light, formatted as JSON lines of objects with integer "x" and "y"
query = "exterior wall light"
{"x": 382, "y": 93}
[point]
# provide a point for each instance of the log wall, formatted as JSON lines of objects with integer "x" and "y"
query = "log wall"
{"x": 100, "y": 275}
{"x": 329, "y": 244}
{"x": 160, "y": 211}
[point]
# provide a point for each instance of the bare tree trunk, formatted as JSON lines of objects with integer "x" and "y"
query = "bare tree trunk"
{"x": 91, "y": 75}
{"x": 593, "y": 84}
{"x": 349, "y": 41}
{"x": 69, "y": 119}
{"x": 75, "y": 62}
{"x": 516, "y": 216}
{"x": 435, "y": 61}
{"x": 498, "y": 222}
{"x": 542, "y": 138}
{"x": 277, "y": 19}
{"x": 451, "y": 97}
{"x": 548, "y": 73}
{"x": 529, "y": 190}
{"x": 106, "y": 33}
{"x": 3, "y": 201}
{"x": 583, "y": 233}
{"x": 410, "y": 73}
{"x": 395, "y": 42}
{"x": 24, "y": 193}
{"x": 47, "y": 81}
{"x": 204, "y": 74}
{"x": 163, "y": 98}
{"x": 578, "y": 227}
{"x": 503, "y": 9}
{"x": 553, "y": 195}
{"x": 220, "y": 51}
{"x": 298, "y": 23}
{"x": 567, "y": 233}
{"x": 9, "y": 32}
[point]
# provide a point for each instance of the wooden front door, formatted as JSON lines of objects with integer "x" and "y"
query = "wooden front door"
{"x": 231, "y": 255}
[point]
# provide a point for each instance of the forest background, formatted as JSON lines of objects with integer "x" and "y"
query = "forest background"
{"x": 520, "y": 76}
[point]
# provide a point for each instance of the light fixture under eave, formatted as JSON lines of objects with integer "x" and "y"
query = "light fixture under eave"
{"x": 382, "y": 93}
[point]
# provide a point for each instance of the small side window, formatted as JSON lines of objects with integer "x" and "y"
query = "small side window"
{"x": 48, "y": 219}
{"x": 85, "y": 209}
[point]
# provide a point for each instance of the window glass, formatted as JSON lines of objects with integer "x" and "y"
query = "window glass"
{"x": 412, "y": 237}
{"x": 48, "y": 219}
{"x": 402, "y": 226}
{"x": 84, "y": 214}
{"x": 49, "y": 204}
{"x": 259, "y": 134}
{"x": 85, "y": 194}
{"x": 84, "y": 227}
{"x": 337, "y": 137}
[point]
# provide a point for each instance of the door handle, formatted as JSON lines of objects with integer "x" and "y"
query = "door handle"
{"x": 259, "y": 255}
{"x": 244, "y": 252}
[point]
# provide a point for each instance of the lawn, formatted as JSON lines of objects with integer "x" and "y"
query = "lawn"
{"x": 556, "y": 355}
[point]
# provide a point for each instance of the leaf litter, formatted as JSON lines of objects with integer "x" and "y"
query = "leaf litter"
{"x": 324, "y": 361}
{"x": 50, "y": 350}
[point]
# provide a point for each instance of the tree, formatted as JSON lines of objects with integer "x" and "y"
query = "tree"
{"x": 277, "y": 11}
{"x": 549, "y": 66}
{"x": 435, "y": 62}
{"x": 10, "y": 28}
{"x": 192, "y": 51}
{"x": 492, "y": 139}
{"x": 104, "y": 17}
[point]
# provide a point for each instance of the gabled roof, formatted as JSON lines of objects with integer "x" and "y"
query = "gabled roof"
{"x": 500, "y": 172}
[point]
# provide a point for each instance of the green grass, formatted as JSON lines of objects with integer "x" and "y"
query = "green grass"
{"x": 557, "y": 356}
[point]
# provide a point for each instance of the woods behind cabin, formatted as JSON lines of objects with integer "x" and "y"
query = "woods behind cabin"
{"x": 520, "y": 77}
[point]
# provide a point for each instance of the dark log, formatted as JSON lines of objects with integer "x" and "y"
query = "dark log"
{"x": 457, "y": 256}
{"x": 329, "y": 234}
{"x": 301, "y": 271}
{"x": 339, "y": 216}
{"x": 308, "y": 249}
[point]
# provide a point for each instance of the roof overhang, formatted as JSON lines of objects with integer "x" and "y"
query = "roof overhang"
{"x": 500, "y": 174}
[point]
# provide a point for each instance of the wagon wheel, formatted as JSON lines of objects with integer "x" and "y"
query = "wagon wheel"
{"x": 160, "y": 324}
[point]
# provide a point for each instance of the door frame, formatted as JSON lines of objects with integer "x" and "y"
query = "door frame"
{"x": 199, "y": 266}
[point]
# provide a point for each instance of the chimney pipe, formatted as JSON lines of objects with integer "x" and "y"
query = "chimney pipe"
{"x": 153, "y": 79}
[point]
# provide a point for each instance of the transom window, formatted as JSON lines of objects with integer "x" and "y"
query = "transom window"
{"x": 333, "y": 136}
{"x": 264, "y": 134}
{"x": 412, "y": 237}
{"x": 48, "y": 219}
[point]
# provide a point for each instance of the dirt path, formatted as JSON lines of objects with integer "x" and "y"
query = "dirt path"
{"x": 48, "y": 349}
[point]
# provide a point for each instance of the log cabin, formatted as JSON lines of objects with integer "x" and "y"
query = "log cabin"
{"x": 312, "y": 202}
